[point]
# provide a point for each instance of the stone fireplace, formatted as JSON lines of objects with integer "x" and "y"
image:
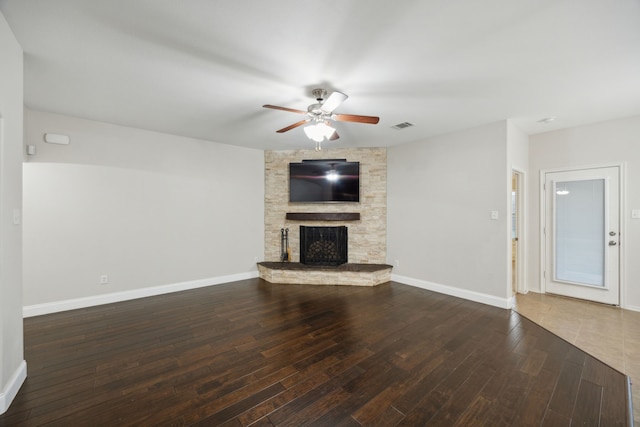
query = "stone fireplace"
{"x": 367, "y": 230}
{"x": 366, "y": 221}
{"x": 323, "y": 245}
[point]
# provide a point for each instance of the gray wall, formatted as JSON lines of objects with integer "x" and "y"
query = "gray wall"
{"x": 440, "y": 196}
{"x": 147, "y": 209}
{"x": 12, "y": 367}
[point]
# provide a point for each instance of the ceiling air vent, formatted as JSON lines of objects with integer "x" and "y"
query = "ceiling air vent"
{"x": 403, "y": 125}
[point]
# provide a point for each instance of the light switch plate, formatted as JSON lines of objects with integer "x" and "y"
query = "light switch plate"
{"x": 17, "y": 217}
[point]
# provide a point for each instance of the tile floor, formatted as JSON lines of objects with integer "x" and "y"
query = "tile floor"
{"x": 610, "y": 334}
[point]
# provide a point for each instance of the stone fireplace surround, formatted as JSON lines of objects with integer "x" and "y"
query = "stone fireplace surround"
{"x": 366, "y": 220}
{"x": 345, "y": 274}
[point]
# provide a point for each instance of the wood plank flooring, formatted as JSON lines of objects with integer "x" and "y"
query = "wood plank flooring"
{"x": 260, "y": 354}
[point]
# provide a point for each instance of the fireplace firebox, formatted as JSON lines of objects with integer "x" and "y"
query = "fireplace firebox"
{"x": 323, "y": 245}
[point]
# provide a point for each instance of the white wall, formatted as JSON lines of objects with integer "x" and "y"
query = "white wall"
{"x": 440, "y": 193}
{"x": 518, "y": 150}
{"x": 145, "y": 208}
{"x": 611, "y": 142}
{"x": 12, "y": 365}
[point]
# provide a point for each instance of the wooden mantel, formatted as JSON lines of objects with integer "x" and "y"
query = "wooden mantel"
{"x": 323, "y": 216}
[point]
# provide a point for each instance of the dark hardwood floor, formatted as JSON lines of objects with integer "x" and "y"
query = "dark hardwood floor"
{"x": 254, "y": 353}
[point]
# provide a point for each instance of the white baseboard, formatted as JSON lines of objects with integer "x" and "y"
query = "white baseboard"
{"x": 72, "y": 304}
{"x": 10, "y": 391}
{"x": 631, "y": 307}
{"x": 506, "y": 303}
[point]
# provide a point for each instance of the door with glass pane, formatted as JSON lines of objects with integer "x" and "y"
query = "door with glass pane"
{"x": 581, "y": 231}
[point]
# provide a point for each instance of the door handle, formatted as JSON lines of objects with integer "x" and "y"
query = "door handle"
{"x": 612, "y": 243}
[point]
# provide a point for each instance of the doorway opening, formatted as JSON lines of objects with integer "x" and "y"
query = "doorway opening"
{"x": 517, "y": 231}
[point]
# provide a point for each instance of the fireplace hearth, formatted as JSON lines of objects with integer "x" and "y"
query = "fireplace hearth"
{"x": 323, "y": 245}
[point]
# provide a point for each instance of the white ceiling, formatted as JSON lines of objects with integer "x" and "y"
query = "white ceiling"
{"x": 204, "y": 68}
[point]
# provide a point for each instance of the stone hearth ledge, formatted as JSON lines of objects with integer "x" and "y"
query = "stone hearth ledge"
{"x": 346, "y": 274}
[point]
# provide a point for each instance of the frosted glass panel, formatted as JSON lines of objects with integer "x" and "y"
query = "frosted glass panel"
{"x": 580, "y": 231}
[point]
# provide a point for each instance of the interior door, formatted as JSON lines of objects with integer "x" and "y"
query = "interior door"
{"x": 582, "y": 245}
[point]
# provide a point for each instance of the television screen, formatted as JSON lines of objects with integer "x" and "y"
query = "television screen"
{"x": 322, "y": 181}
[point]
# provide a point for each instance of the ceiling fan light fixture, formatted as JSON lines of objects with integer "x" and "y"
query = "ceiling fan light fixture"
{"x": 319, "y": 131}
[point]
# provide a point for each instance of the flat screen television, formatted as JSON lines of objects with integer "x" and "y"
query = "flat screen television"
{"x": 324, "y": 181}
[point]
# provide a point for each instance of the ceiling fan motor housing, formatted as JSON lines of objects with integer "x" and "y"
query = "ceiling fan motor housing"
{"x": 315, "y": 111}
{"x": 319, "y": 94}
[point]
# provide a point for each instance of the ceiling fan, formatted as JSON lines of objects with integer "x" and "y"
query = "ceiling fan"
{"x": 320, "y": 113}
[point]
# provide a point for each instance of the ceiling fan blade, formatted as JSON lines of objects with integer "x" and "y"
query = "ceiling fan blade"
{"x": 295, "y": 125}
{"x": 333, "y": 101}
{"x": 291, "y": 110}
{"x": 355, "y": 118}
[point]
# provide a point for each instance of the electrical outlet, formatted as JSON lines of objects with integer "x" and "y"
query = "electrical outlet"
{"x": 397, "y": 263}
{"x": 256, "y": 259}
{"x": 104, "y": 279}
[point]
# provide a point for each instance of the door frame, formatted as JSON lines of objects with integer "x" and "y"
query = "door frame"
{"x": 622, "y": 219}
{"x": 521, "y": 224}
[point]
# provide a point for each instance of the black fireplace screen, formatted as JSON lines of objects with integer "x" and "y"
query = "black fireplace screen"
{"x": 323, "y": 245}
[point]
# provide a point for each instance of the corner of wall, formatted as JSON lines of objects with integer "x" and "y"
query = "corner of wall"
{"x": 12, "y": 365}
{"x": 12, "y": 387}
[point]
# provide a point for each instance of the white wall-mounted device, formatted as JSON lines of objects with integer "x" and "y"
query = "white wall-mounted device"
{"x": 54, "y": 138}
